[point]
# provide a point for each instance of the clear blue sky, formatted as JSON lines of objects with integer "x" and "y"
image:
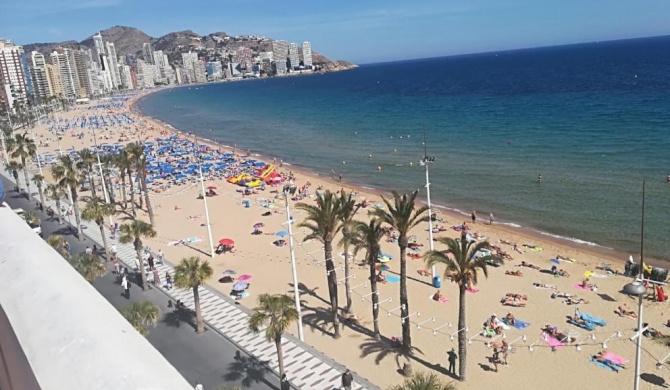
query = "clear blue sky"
{"x": 359, "y": 30}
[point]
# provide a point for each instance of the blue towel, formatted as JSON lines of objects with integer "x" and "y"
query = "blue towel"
{"x": 605, "y": 366}
{"x": 587, "y": 326}
{"x": 392, "y": 278}
{"x": 556, "y": 261}
{"x": 593, "y": 320}
{"x": 520, "y": 324}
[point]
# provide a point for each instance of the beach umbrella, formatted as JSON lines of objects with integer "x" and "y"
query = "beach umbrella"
{"x": 244, "y": 278}
{"x": 229, "y": 272}
{"x": 211, "y": 187}
{"x": 281, "y": 233}
{"x": 259, "y": 225}
{"x": 226, "y": 242}
{"x": 384, "y": 258}
{"x": 240, "y": 286}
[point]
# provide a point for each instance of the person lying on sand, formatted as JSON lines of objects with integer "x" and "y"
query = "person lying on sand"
{"x": 529, "y": 265}
{"x": 626, "y": 313}
{"x": 563, "y": 273}
{"x": 512, "y": 302}
{"x": 423, "y": 272}
{"x": 578, "y": 320}
{"x": 437, "y": 296}
{"x": 516, "y": 248}
{"x": 514, "y": 273}
{"x": 544, "y": 285}
{"x": 575, "y": 301}
{"x": 506, "y": 242}
{"x": 516, "y": 297}
{"x": 561, "y": 295}
{"x": 600, "y": 358}
{"x": 550, "y": 330}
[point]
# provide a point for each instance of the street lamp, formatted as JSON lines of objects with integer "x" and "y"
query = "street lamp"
{"x": 290, "y": 190}
{"x": 425, "y": 161}
{"x": 102, "y": 177}
{"x": 204, "y": 197}
{"x": 637, "y": 289}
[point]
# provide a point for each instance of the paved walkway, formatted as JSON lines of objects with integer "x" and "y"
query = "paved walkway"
{"x": 305, "y": 367}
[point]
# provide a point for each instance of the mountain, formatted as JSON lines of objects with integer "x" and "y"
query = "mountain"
{"x": 128, "y": 41}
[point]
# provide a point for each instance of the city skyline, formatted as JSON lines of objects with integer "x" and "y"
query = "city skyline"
{"x": 360, "y": 32}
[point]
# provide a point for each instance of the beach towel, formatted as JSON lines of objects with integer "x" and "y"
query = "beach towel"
{"x": 555, "y": 261}
{"x": 593, "y": 320}
{"x": 616, "y": 359}
{"x": 603, "y": 365}
{"x": 192, "y": 240}
{"x": 392, "y": 279}
{"x": 488, "y": 332}
{"x": 591, "y": 274}
{"x": 535, "y": 249}
{"x": 472, "y": 290}
{"x": 442, "y": 300}
{"x": 518, "y": 324}
{"x": 580, "y": 287}
{"x": 553, "y": 342}
{"x": 587, "y": 326}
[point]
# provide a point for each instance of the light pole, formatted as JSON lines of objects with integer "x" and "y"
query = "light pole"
{"x": 425, "y": 161}
{"x": 290, "y": 190}
{"x": 204, "y": 197}
{"x": 102, "y": 177}
{"x": 637, "y": 289}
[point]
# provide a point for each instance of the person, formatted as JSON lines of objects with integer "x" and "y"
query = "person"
{"x": 89, "y": 251}
{"x": 150, "y": 260}
{"x": 340, "y": 176}
{"x": 347, "y": 380}
{"x": 510, "y": 319}
{"x": 117, "y": 266}
{"x": 160, "y": 256}
{"x": 578, "y": 320}
{"x": 285, "y": 384}
{"x": 168, "y": 280}
{"x": 452, "y": 356}
{"x": 126, "y": 286}
{"x": 600, "y": 357}
{"x": 473, "y": 216}
{"x": 113, "y": 250}
{"x": 667, "y": 179}
{"x": 505, "y": 348}
{"x": 490, "y": 218}
{"x": 495, "y": 358}
{"x": 157, "y": 277}
{"x": 437, "y": 296}
{"x": 539, "y": 178}
{"x": 95, "y": 248}
{"x": 623, "y": 312}
{"x": 381, "y": 278}
{"x": 667, "y": 324}
{"x": 514, "y": 273}
{"x": 198, "y": 386}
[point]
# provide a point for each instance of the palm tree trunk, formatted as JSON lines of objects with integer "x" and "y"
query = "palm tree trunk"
{"x": 404, "y": 301}
{"x": 347, "y": 283}
{"x": 280, "y": 356}
{"x": 39, "y": 188}
{"x": 132, "y": 194}
{"x": 123, "y": 190}
{"x": 150, "y": 209}
{"x": 60, "y": 217}
{"x": 18, "y": 184}
{"x": 110, "y": 190}
{"x": 375, "y": 298}
{"x": 101, "y": 225}
{"x": 332, "y": 287}
{"x": 200, "y": 326}
{"x": 25, "y": 176}
{"x": 143, "y": 277}
{"x": 77, "y": 216}
{"x": 462, "y": 342}
{"x": 92, "y": 184}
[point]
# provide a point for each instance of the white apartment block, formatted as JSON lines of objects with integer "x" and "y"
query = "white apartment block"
{"x": 307, "y": 54}
{"x": 99, "y": 48}
{"x": 145, "y": 75}
{"x": 126, "y": 77}
{"x": 41, "y": 82}
{"x": 293, "y": 55}
{"x": 14, "y": 86}
{"x": 280, "y": 54}
{"x": 61, "y": 59}
{"x": 82, "y": 64}
{"x": 113, "y": 65}
{"x": 147, "y": 53}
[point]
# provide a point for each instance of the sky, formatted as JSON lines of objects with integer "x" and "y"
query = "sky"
{"x": 362, "y": 31}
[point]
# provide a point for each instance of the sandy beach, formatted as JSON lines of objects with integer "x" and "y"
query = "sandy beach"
{"x": 179, "y": 215}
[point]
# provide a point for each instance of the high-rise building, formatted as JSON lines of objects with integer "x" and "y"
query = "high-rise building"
{"x": 112, "y": 60}
{"x": 53, "y": 73}
{"x": 280, "y": 54}
{"x": 14, "y": 87}
{"x": 82, "y": 62}
{"x": 194, "y": 69}
{"x": 214, "y": 70}
{"x": 126, "y": 77}
{"x": 244, "y": 57}
{"x": 293, "y": 55}
{"x": 307, "y": 54}
{"x": 61, "y": 58}
{"x": 146, "y": 74}
{"x": 41, "y": 81}
{"x": 147, "y": 53}
{"x": 165, "y": 72}
{"x": 99, "y": 48}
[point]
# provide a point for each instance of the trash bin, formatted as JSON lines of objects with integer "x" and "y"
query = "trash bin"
{"x": 437, "y": 282}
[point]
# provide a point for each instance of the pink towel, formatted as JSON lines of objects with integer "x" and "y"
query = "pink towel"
{"x": 579, "y": 286}
{"x": 553, "y": 342}
{"x": 616, "y": 359}
{"x": 472, "y": 290}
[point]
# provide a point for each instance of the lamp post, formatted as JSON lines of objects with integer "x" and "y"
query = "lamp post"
{"x": 204, "y": 197}
{"x": 637, "y": 289}
{"x": 102, "y": 177}
{"x": 425, "y": 161}
{"x": 290, "y": 190}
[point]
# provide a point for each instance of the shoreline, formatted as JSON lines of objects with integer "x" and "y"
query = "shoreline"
{"x": 505, "y": 227}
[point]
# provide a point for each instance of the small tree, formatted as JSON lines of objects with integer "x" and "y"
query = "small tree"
{"x": 424, "y": 381}
{"x": 68, "y": 176}
{"x": 277, "y": 312}
{"x": 39, "y": 182}
{"x": 348, "y": 208}
{"x": 55, "y": 192}
{"x": 89, "y": 266}
{"x": 96, "y": 210}
{"x": 191, "y": 273}
{"x": 134, "y": 232}
{"x": 23, "y": 148}
{"x": 141, "y": 315}
{"x": 57, "y": 242}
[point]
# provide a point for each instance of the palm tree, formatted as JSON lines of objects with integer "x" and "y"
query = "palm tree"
{"x": 107, "y": 160}
{"x": 86, "y": 161}
{"x": 39, "y": 182}
{"x": 134, "y": 232}
{"x": 67, "y": 175}
{"x": 13, "y": 167}
{"x": 462, "y": 267}
{"x": 128, "y": 165}
{"x": 367, "y": 237}
{"x": 191, "y": 273}
{"x": 139, "y": 160}
{"x": 277, "y": 312}
{"x": 55, "y": 193}
{"x": 324, "y": 221}
{"x": 424, "y": 381}
{"x": 24, "y": 148}
{"x": 141, "y": 315}
{"x": 89, "y": 266}
{"x": 122, "y": 163}
{"x": 96, "y": 210}
{"x": 348, "y": 209}
{"x": 58, "y": 242}
{"x": 403, "y": 216}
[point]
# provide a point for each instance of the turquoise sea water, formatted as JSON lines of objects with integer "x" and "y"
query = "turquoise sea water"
{"x": 593, "y": 119}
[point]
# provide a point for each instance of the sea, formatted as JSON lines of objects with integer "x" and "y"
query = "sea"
{"x": 593, "y": 119}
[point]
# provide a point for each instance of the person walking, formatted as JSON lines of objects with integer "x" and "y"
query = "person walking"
{"x": 126, "y": 286}
{"x": 285, "y": 384}
{"x": 495, "y": 359}
{"x": 113, "y": 251}
{"x": 157, "y": 277}
{"x": 347, "y": 380}
{"x": 452, "y": 356}
{"x": 491, "y": 218}
{"x": 473, "y": 216}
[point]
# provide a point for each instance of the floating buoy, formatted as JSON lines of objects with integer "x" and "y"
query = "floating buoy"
{"x": 369, "y": 156}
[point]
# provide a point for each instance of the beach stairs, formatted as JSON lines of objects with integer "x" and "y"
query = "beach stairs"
{"x": 306, "y": 367}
